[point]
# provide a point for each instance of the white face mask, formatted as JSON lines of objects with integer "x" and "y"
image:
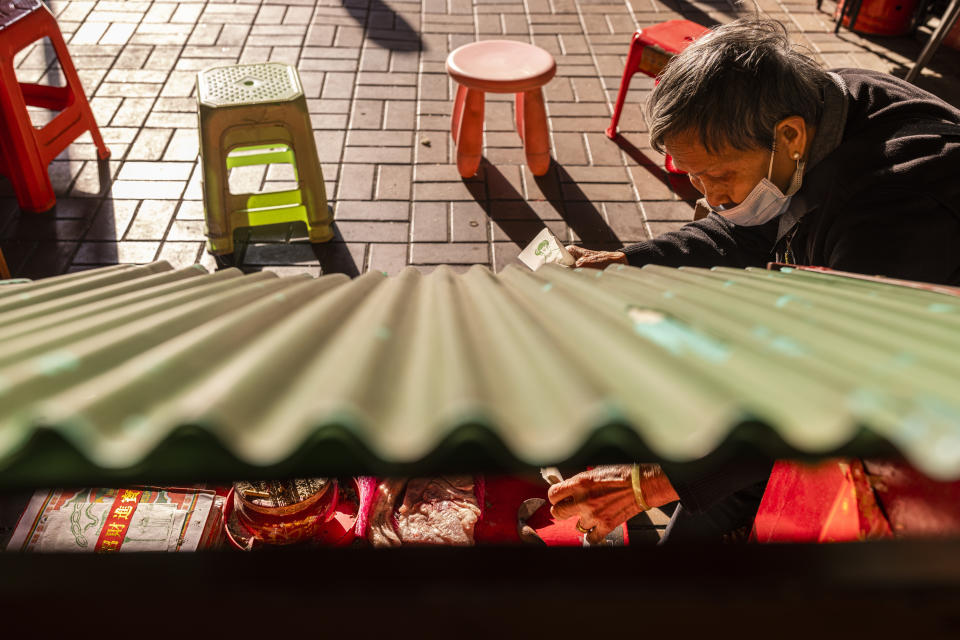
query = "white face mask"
{"x": 765, "y": 202}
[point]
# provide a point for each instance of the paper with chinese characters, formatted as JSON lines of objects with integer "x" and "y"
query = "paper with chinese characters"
{"x": 109, "y": 520}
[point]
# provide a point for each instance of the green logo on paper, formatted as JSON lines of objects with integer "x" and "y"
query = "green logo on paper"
{"x": 542, "y": 248}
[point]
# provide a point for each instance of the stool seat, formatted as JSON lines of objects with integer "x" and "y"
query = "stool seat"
{"x": 247, "y": 84}
{"x": 501, "y": 66}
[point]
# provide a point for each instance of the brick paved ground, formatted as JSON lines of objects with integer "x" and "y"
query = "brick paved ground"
{"x": 380, "y": 103}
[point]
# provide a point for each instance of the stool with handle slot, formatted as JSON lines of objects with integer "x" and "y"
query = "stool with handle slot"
{"x": 250, "y": 115}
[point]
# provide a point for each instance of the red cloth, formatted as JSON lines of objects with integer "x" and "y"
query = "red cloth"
{"x": 505, "y": 494}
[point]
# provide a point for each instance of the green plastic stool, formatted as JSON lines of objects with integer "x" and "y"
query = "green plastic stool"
{"x": 256, "y": 114}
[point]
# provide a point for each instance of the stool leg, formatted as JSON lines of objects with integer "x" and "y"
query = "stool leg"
{"x": 313, "y": 191}
{"x": 633, "y": 63}
{"x": 76, "y": 87}
{"x": 457, "y": 112}
{"x": 28, "y": 173}
{"x": 215, "y": 181}
{"x": 518, "y": 113}
{"x": 536, "y": 135}
{"x": 470, "y": 134}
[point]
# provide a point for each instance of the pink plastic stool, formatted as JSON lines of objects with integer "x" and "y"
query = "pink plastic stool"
{"x": 650, "y": 50}
{"x": 500, "y": 66}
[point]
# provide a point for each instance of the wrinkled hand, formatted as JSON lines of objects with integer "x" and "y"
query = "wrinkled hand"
{"x": 602, "y": 498}
{"x": 596, "y": 259}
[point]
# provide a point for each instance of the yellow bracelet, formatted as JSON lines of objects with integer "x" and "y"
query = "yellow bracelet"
{"x": 637, "y": 490}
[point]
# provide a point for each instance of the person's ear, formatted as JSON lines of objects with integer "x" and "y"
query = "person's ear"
{"x": 792, "y": 135}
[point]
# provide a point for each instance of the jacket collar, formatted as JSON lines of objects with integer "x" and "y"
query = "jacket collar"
{"x": 833, "y": 121}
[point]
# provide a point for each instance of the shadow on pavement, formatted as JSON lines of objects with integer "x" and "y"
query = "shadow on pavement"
{"x": 45, "y": 244}
{"x": 383, "y": 25}
{"x": 334, "y": 256}
{"x": 941, "y": 74}
{"x": 677, "y": 182}
{"x": 520, "y": 222}
{"x": 581, "y": 215}
{"x": 269, "y": 241}
{"x": 511, "y": 213}
{"x": 695, "y": 13}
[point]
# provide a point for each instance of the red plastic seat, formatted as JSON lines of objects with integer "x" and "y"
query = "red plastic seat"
{"x": 27, "y": 150}
{"x": 650, "y": 49}
{"x": 500, "y": 66}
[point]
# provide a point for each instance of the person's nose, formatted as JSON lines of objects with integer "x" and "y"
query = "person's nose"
{"x": 717, "y": 198}
{"x": 714, "y": 195}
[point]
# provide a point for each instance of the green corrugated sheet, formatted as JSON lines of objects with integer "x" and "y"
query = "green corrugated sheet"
{"x": 150, "y": 372}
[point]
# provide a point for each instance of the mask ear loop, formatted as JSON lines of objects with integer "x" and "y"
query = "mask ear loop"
{"x": 773, "y": 152}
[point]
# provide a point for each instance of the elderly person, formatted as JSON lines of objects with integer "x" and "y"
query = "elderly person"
{"x": 849, "y": 169}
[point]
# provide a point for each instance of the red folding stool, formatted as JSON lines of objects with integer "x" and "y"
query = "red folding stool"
{"x": 26, "y": 150}
{"x": 650, "y": 49}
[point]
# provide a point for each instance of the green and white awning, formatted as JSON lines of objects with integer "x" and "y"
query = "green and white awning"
{"x": 150, "y": 373}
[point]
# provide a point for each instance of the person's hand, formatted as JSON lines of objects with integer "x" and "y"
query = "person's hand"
{"x": 596, "y": 259}
{"x": 602, "y": 498}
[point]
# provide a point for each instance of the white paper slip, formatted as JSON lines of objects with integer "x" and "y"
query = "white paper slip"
{"x": 545, "y": 249}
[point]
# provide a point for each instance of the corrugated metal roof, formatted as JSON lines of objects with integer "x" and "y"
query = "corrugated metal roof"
{"x": 138, "y": 372}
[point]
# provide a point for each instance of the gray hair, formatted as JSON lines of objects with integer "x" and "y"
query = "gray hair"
{"x": 733, "y": 85}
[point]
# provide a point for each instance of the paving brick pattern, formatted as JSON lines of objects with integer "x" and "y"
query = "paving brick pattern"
{"x": 379, "y": 101}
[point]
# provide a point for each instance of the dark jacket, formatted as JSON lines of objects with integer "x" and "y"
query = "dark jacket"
{"x": 883, "y": 198}
{"x": 886, "y": 201}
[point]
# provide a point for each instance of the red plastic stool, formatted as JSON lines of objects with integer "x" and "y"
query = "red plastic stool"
{"x": 876, "y": 17}
{"x": 650, "y": 50}
{"x": 26, "y": 151}
{"x": 500, "y": 66}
